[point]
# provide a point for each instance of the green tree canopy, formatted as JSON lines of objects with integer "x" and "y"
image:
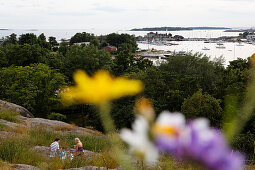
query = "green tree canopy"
{"x": 203, "y": 105}
{"x": 28, "y": 38}
{"x": 84, "y": 37}
{"x": 87, "y": 58}
{"x": 33, "y": 87}
{"x": 23, "y": 55}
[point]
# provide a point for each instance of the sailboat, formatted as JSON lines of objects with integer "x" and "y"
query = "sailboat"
{"x": 220, "y": 46}
{"x": 239, "y": 44}
{"x": 205, "y": 48}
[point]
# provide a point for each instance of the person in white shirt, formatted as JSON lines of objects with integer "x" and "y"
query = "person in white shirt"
{"x": 54, "y": 147}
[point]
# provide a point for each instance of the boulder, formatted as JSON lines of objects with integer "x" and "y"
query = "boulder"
{"x": 44, "y": 150}
{"x": 23, "y": 111}
{"x": 23, "y": 167}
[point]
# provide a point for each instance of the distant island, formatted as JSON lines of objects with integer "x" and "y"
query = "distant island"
{"x": 4, "y": 29}
{"x": 178, "y": 28}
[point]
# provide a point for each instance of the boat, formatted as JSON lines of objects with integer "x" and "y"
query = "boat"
{"x": 220, "y": 46}
{"x": 205, "y": 48}
{"x": 239, "y": 44}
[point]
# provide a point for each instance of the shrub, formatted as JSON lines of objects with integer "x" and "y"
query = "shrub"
{"x": 203, "y": 105}
{"x": 57, "y": 116}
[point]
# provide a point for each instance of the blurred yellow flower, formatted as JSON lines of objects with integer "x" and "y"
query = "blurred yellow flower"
{"x": 99, "y": 88}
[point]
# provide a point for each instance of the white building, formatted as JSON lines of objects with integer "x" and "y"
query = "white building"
{"x": 251, "y": 37}
{"x": 82, "y": 43}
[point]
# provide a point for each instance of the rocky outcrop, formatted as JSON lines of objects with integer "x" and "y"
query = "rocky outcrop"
{"x": 10, "y": 125}
{"x": 23, "y": 167}
{"x": 44, "y": 150}
{"x": 56, "y": 125}
{"x": 11, "y": 106}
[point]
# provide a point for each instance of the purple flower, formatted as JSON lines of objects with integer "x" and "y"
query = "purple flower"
{"x": 200, "y": 143}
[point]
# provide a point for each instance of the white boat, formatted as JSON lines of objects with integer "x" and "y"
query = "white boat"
{"x": 205, "y": 48}
{"x": 220, "y": 46}
{"x": 239, "y": 44}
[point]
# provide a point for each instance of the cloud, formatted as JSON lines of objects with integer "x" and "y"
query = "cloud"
{"x": 125, "y": 13}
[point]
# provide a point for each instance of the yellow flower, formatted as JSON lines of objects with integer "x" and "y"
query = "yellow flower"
{"x": 100, "y": 88}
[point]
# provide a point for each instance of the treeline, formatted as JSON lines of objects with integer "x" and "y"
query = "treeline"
{"x": 32, "y": 70}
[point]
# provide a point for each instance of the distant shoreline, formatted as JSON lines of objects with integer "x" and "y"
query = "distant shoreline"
{"x": 4, "y": 29}
{"x": 179, "y": 28}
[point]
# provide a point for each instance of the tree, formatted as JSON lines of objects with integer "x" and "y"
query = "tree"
{"x": 33, "y": 87}
{"x": 3, "y": 59}
{"x": 23, "y": 55}
{"x": 84, "y": 37}
{"x": 203, "y": 105}
{"x": 28, "y": 38}
{"x": 11, "y": 39}
{"x": 88, "y": 58}
{"x": 42, "y": 41}
{"x": 42, "y": 37}
{"x": 53, "y": 42}
{"x": 118, "y": 39}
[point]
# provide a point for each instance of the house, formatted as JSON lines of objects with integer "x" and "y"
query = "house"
{"x": 178, "y": 38}
{"x": 251, "y": 37}
{"x": 158, "y": 37}
{"x": 82, "y": 43}
{"x": 110, "y": 48}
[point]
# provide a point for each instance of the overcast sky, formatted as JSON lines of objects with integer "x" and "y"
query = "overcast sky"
{"x": 125, "y": 14}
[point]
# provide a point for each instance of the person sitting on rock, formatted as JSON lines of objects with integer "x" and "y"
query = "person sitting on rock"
{"x": 54, "y": 147}
{"x": 78, "y": 147}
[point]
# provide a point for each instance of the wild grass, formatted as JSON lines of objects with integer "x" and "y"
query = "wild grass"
{"x": 16, "y": 150}
{"x": 44, "y": 137}
{"x": 4, "y": 165}
{"x": 2, "y": 127}
{"x": 9, "y": 115}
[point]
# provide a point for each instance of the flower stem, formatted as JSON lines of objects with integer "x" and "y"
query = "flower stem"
{"x": 116, "y": 143}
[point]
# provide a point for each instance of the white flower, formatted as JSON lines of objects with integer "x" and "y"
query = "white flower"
{"x": 139, "y": 141}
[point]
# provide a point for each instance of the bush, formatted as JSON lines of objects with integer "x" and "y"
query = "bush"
{"x": 245, "y": 143}
{"x": 203, "y": 105}
{"x": 57, "y": 116}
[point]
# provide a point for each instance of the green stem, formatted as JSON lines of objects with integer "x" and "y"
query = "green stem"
{"x": 109, "y": 127}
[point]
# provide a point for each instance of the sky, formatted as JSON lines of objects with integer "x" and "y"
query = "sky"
{"x": 124, "y": 14}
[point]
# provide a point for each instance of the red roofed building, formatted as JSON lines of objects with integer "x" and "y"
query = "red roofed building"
{"x": 110, "y": 48}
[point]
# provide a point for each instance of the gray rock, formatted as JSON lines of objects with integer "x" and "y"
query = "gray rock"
{"x": 44, "y": 150}
{"x": 91, "y": 168}
{"x": 23, "y": 167}
{"x": 10, "y": 125}
{"x": 23, "y": 111}
{"x": 56, "y": 125}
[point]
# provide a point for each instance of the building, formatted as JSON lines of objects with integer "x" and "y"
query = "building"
{"x": 110, "y": 48}
{"x": 82, "y": 43}
{"x": 178, "y": 38}
{"x": 251, "y": 37}
{"x": 159, "y": 37}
